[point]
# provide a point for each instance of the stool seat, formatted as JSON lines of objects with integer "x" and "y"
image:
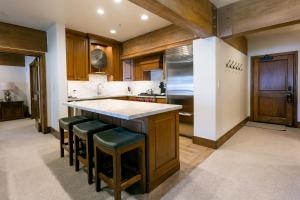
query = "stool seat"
{"x": 84, "y": 134}
{"x": 117, "y": 138}
{"x": 90, "y": 127}
{"x": 67, "y": 122}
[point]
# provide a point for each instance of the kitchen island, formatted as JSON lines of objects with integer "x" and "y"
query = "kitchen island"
{"x": 158, "y": 122}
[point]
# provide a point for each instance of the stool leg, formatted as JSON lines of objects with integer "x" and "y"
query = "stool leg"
{"x": 89, "y": 156}
{"x": 62, "y": 141}
{"x": 71, "y": 150}
{"x": 97, "y": 169}
{"x": 142, "y": 167}
{"x": 117, "y": 175}
{"x": 76, "y": 142}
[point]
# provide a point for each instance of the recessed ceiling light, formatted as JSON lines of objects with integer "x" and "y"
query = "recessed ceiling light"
{"x": 118, "y": 1}
{"x": 144, "y": 17}
{"x": 100, "y": 11}
{"x": 113, "y": 31}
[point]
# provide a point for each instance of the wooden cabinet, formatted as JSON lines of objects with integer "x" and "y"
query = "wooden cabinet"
{"x": 111, "y": 48}
{"x": 79, "y": 46}
{"x": 162, "y": 142}
{"x": 144, "y": 66}
{"x": 147, "y": 99}
{"x": 11, "y": 110}
{"x": 77, "y": 57}
{"x": 161, "y": 100}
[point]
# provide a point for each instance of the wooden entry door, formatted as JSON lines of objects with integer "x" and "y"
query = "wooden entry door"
{"x": 35, "y": 92}
{"x": 273, "y": 89}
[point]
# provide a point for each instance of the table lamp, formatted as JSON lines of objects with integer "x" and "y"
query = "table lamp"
{"x": 6, "y": 87}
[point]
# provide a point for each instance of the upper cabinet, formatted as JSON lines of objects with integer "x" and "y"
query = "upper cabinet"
{"x": 77, "y": 57}
{"x": 80, "y": 62}
{"x": 109, "y": 51}
{"x": 143, "y": 68}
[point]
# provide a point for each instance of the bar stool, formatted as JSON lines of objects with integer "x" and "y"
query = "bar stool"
{"x": 116, "y": 144}
{"x": 83, "y": 133}
{"x": 67, "y": 124}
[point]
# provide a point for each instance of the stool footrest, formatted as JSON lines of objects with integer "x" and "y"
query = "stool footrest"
{"x": 124, "y": 184}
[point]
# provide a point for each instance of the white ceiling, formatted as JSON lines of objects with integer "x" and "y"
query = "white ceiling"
{"x": 82, "y": 15}
{"x": 221, "y": 3}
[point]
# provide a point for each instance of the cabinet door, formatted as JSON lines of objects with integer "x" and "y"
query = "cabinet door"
{"x": 138, "y": 73}
{"x": 12, "y": 111}
{"x": 81, "y": 58}
{"x": 128, "y": 70}
{"x": 70, "y": 58}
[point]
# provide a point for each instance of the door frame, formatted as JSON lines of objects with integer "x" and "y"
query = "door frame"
{"x": 295, "y": 84}
{"x": 42, "y": 81}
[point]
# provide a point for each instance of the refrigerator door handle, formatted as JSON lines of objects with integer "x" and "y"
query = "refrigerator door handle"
{"x": 186, "y": 114}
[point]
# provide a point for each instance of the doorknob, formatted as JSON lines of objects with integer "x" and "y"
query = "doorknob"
{"x": 289, "y": 96}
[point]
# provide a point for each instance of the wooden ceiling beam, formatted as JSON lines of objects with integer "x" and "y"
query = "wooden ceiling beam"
{"x": 156, "y": 41}
{"x": 8, "y": 59}
{"x": 197, "y": 16}
{"x": 248, "y": 16}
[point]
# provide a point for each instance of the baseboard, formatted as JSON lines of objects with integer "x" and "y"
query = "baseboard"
{"x": 216, "y": 144}
{"x": 54, "y": 132}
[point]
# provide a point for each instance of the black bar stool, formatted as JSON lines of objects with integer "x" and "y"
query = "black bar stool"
{"x": 83, "y": 133}
{"x": 111, "y": 149}
{"x": 67, "y": 124}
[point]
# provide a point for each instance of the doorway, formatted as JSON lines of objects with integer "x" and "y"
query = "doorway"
{"x": 35, "y": 92}
{"x": 39, "y": 77}
{"x": 274, "y": 88}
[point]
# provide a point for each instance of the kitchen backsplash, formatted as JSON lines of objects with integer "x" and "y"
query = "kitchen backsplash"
{"x": 85, "y": 89}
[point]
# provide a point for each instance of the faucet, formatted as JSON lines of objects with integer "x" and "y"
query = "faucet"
{"x": 99, "y": 86}
{"x": 150, "y": 91}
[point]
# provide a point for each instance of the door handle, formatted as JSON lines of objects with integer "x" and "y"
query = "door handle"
{"x": 289, "y": 97}
{"x": 185, "y": 114}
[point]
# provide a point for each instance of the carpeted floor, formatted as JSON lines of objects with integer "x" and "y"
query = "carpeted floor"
{"x": 256, "y": 163}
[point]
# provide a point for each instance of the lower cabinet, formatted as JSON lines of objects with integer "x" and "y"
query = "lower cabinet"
{"x": 147, "y": 99}
{"x": 11, "y": 110}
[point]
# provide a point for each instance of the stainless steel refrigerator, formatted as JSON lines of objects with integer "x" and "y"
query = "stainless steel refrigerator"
{"x": 180, "y": 87}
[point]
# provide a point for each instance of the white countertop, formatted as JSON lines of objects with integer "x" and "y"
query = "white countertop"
{"x": 95, "y": 97}
{"x": 123, "y": 109}
{"x": 111, "y": 96}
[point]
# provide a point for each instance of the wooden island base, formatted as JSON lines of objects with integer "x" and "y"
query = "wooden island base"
{"x": 162, "y": 142}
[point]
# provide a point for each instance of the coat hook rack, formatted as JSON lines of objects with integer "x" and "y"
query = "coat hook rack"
{"x": 231, "y": 64}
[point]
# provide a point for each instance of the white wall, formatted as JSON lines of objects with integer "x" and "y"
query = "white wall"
{"x": 28, "y": 61}
{"x": 232, "y": 88}
{"x": 56, "y": 74}
{"x": 14, "y": 74}
{"x": 272, "y": 42}
{"x": 204, "y": 51}
{"x": 220, "y": 94}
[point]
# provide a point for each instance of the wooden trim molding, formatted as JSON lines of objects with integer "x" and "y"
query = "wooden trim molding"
{"x": 10, "y": 59}
{"x": 54, "y": 132}
{"x": 22, "y": 38}
{"x": 240, "y": 43}
{"x": 216, "y": 144}
{"x": 297, "y": 125}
